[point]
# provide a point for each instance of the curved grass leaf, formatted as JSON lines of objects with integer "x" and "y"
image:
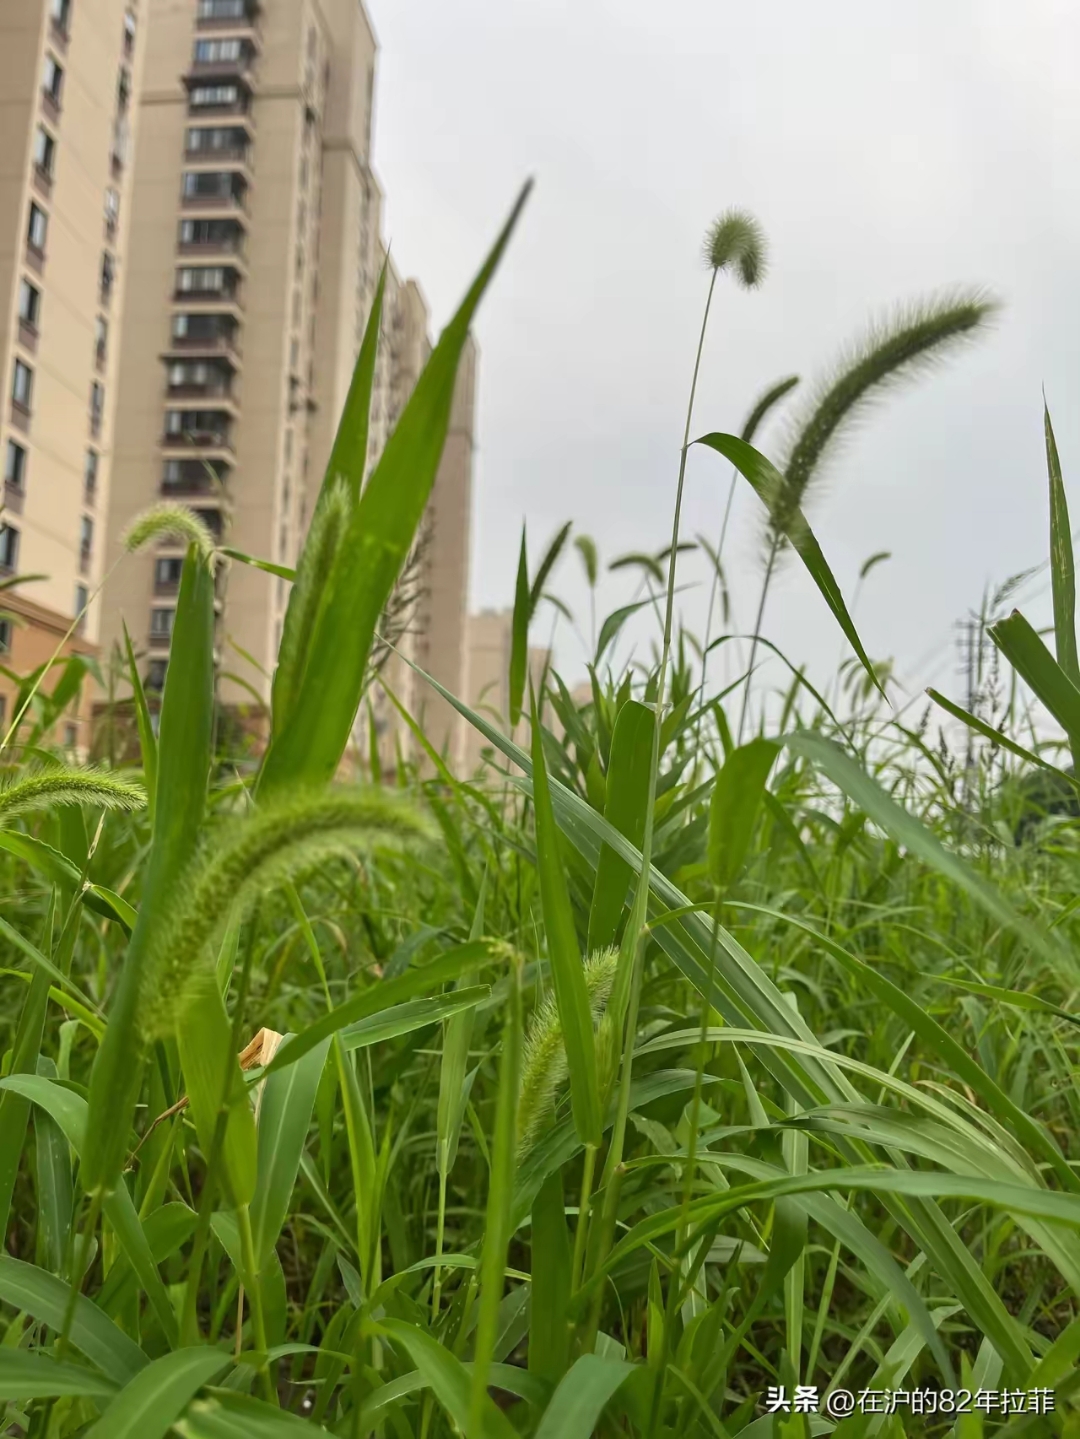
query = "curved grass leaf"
{"x": 579, "y": 1400}
{"x": 25, "y": 1375}
{"x": 93, "y": 1333}
{"x": 148, "y": 1406}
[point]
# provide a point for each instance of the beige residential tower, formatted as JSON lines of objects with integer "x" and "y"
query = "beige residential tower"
{"x": 69, "y": 70}
{"x": 256, "y": 247}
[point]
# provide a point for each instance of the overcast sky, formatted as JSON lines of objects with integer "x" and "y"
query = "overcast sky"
{"x": 888, "y": 151}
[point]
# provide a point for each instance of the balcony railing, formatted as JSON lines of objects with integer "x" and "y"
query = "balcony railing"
{"x": 200, "y": 437}
{"x": 225, "y": 344}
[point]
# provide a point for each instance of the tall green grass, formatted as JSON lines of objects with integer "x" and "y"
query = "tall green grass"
{"x": 679, "y": 1054}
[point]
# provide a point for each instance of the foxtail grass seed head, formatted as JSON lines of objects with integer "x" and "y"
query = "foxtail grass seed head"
{"x": 281, "y": 840}
{"x": 169, "y": 521}
{"x": 544, "y": 1067}
{"x": 51, "y": 787}
{"x": 735, "y": 239}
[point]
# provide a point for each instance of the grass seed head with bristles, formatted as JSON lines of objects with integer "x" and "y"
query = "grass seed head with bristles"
{"x": 53, "y": 786}
{"x": 281, "y": 840}
{"x": 169, "y": 521}
{"x": 544, "y": 1066}
{"x": 899, "y": 349}
{"x": 760, "y": 411}
{"x": 736, "y": 239}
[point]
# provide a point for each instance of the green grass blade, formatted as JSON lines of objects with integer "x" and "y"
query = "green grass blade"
{"x": 768, "y": 483}
{"x": 213, "y": 1077}
{"x": 93, "y": 1333}
{"x": 459, "y": 1004}
{"x": 183, "y": 769}
{"x": 380, "y": 531}
{"x": 625, "y": 808}
{"x": 1036, "y": 666}
{"x": 564, "y": 956}
{"x": 147, "y": 737}
{"x": 285, "y": 1110}
{"x": 25, "y": 1375}
{"x": 577, "y": 1404}
{"x": 995, "y": 736}
{"x": 734, "y": 807}
{"x": 457, "y": 1037}
{"x": 1062, "y": 568}
{"x": 519, "y": 636}
{"x": 896, "y": 821}
{"x": 322, "y": 552}
{"x": 148, "y": 1406}
{"x": 449, "y": 1379}
{"x": 381, "y": 996}
{"x": 549, "y": 1331}
{"x": 497, "y": 1228}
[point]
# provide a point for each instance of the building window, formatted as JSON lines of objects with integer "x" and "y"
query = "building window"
{"x": 161, "y": 622}
{"x": 216, "y": 52}
{"x": 210, "y": 278}
{"x": 90, "y": 472}
{"x": 101, "y": 339}
{"x": 22, "y": 385}
{"x": 82, "y": 599}
{"x": 52, "y": 80}
{"x": 97, "y": 405}
{"x": 44, "y": 151}
{"x": 112, "y": 211}
{"x": 123, "y": 88}
{"x": 223, "y": 9}
{"x": 212, "y": 184}
{"x": 155, "y": 675}
{"x": 86, "y": 539}
{"x": 71, "y": 736}
{"x": 37, "y": 228}
{"x": 15, "y": 465}
{"x": 108, "y": 275}
{"x": 129, "y": 34}
{"x": 213, "y": 96}
{"x": 167, "y": 572}
{"x": 29, "y": 304}
{"x": 9, "y": 547}
{"x": 5, "y": 647}
{"x": 60, "y": 12}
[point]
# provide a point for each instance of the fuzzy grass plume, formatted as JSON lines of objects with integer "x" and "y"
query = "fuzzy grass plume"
{"x": 898, "y": 349}
{"x": 279, "y": 841}
{"x": 169, "y": 521}
{"x": 735, "y": 239}
{"x": 56, "y": 785}
{"x": 544, "y": 1069}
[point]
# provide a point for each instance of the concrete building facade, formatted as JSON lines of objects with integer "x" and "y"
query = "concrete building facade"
{"x": 256, "y": 247}
{"x": 69, "y": 70}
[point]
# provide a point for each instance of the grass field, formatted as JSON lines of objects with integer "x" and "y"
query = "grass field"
{"x": 680, "y": 1059}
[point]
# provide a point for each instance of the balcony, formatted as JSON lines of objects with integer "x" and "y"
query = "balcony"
{"x": 222, "y": 59}
{"x": 217, "y": 391}
{"x": 226, "y": 15}
{"x": 14, "y": 495}
{"x": 59, "y": 36}
{"x": 188, "y": 479}
{"x": 232, "y": 101}
{"x": 223, "y": 344}
{"x": 205, "y": 432}
{"x": 28, "y": 336}
{"x": 209, "y": 201}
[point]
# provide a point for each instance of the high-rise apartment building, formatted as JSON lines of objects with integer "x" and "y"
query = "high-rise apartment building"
{"x": 68, "y": 73}
{"x": 256, "y": 247}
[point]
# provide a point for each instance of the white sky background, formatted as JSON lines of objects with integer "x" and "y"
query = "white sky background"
{"x": 888, "y": 151}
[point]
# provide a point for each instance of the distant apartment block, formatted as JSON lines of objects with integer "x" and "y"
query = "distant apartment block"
{"x": 68, "y": 72}
{"x": 256, "y": 247}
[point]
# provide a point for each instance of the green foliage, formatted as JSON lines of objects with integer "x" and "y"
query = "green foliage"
{"x": 310, "y": 1125}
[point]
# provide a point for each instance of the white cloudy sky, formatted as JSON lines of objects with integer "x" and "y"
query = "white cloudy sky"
{"x": 888, "y": 151}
